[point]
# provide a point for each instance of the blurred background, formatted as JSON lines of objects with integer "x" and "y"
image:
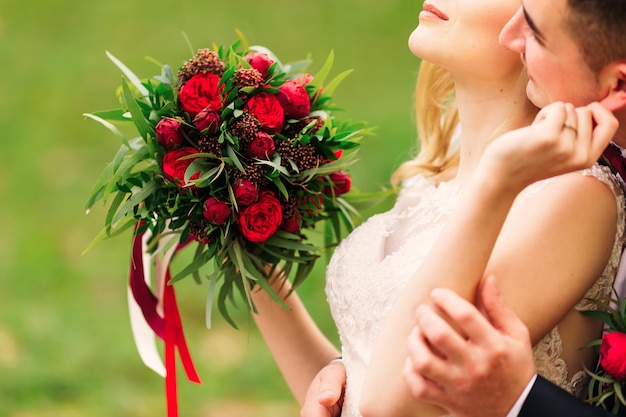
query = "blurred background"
{"x": 65, "y": 343}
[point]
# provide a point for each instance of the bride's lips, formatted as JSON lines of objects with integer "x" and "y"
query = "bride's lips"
{"x": 429, "y": 8}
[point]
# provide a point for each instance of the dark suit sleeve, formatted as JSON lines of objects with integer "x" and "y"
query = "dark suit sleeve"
{"x": 547, "y": 400}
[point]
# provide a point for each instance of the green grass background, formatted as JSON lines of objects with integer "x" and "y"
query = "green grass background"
{"x": 65, "y": 342}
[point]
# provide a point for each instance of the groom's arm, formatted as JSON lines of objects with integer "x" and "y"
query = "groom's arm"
{"x": 547, "y": 400}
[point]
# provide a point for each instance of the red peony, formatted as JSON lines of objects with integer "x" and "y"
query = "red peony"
{"x": 174, "y": 167}
{"x": 613, "y": 355}
{"x": 262, "y": 146}
{"x": 168, "y": 133}
{"x": 294, "y": 99}
{"x": 199, "y": 92}
{"x": 260, "y": 220}
{"x": 267, "y": 110}
{"x": 208, "y": 119}
{"x": 245, "y": 192}
{"x": 216, "y": 211}
{"x": 260, "y": 62}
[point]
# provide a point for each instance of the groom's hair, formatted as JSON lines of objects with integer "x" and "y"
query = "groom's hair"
{"x": 599, "y": 29}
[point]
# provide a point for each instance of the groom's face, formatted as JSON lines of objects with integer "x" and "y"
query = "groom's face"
{"x": 554, "y": 61}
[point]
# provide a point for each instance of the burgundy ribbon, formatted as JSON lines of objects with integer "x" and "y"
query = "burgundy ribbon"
{"x": 169, "y": 327}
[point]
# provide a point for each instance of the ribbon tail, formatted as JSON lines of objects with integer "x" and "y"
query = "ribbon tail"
{"x": 144, "y": 319}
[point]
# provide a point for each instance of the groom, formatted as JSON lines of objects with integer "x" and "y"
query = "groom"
{"x": 575, "y": 51}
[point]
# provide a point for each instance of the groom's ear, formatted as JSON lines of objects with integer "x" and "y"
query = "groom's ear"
{"x": 614, "y": 78}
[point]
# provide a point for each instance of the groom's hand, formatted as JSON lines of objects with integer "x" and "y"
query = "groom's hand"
{"x": 477, "y": 375}
{"x": 324, "y": 398}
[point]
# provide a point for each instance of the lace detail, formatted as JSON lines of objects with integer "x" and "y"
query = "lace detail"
{"x": 373, "y": 264}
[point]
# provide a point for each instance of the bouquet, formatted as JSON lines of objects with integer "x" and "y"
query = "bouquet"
{"x": 237, "y": 154}
{"x": 608, "y": 384}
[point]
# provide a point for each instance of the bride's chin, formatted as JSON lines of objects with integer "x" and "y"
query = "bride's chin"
{"x": 418, "y": 43}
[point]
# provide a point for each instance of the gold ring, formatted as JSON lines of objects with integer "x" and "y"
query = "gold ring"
{"x": 567, "y": 125}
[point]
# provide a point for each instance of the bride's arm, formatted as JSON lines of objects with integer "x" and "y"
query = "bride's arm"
{"x": 538, "y": 246}
{"x": 298, "y": 346}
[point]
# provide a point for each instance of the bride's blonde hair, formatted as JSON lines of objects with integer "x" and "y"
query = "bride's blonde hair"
{"x": 437, "y": 117}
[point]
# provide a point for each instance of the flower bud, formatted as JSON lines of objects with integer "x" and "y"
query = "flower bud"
{"x": 262, "y": 146}
{"x": 168, "y": 133}
{"x": 260, "y": 62}
{"x": 245, "y": 192}
{"x": 208, "y": 119}
{"x": 216, "y": 211}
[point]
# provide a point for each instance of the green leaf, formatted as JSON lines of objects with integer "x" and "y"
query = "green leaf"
{"x": 129, "y": 74}
{"x": 117, "y": 115}
{"x": 319, "y": 78}
{"x": 224, "y": 294}
{"x": 330, "y": 88}
{"x": 109, "y": 126}
{"x": 143, "y": 127}
{"x": 233, "y": 156}
{"x": 137, "y": 197}
{"x": 103, "y": 234}
{"x": 209, "y": 301}
{"x": 289, "y": 244}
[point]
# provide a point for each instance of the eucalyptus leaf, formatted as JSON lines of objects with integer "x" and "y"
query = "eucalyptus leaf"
{"x": 129, "y": 74}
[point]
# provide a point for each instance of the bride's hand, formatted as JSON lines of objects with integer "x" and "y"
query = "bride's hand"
{"x": 324, "y": 397}
{"x": 560, "y": 140}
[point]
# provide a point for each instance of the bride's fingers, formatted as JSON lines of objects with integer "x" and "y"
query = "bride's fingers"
{"x": 605, "y": 126}
{"x": 553, "y": 116}
{"x": 571, "y": 119}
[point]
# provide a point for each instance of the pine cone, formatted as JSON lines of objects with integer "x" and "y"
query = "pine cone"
{"x": 205, "y": 60}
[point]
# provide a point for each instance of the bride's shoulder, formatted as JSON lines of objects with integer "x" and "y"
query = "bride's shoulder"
{"x": 597, "y": 177}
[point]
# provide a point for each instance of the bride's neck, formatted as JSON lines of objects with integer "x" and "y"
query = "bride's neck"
{"x": 485, "y": 112}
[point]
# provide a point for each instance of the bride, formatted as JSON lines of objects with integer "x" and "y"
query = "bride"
{"x": 464, "y": 212}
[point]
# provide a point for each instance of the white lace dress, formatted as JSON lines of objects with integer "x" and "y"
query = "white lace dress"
{"x": 363, "y": 283}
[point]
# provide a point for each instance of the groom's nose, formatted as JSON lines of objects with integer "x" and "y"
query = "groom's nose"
{"x": 512, "y": 34}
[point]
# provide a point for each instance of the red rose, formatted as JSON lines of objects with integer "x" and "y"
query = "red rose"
{"x": 245, "y": 192}
{"x": 613, "y": 355}
{"x": 174, "y": 167}
{"x": 268, "y": 111}
{"x": 292, "y": 224}
{"x": 216, "y": 211}
{"x": 341, "y": 183}
{"x": 262, "y": 146}
{"x": 294, "y": 99}
{"x": 208, "y": 119}
{"x": 260, "y": 62}
{"x": 199, "y": 92}
{"x": 260, "y": 220}
{"x": 168, "y": 133}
